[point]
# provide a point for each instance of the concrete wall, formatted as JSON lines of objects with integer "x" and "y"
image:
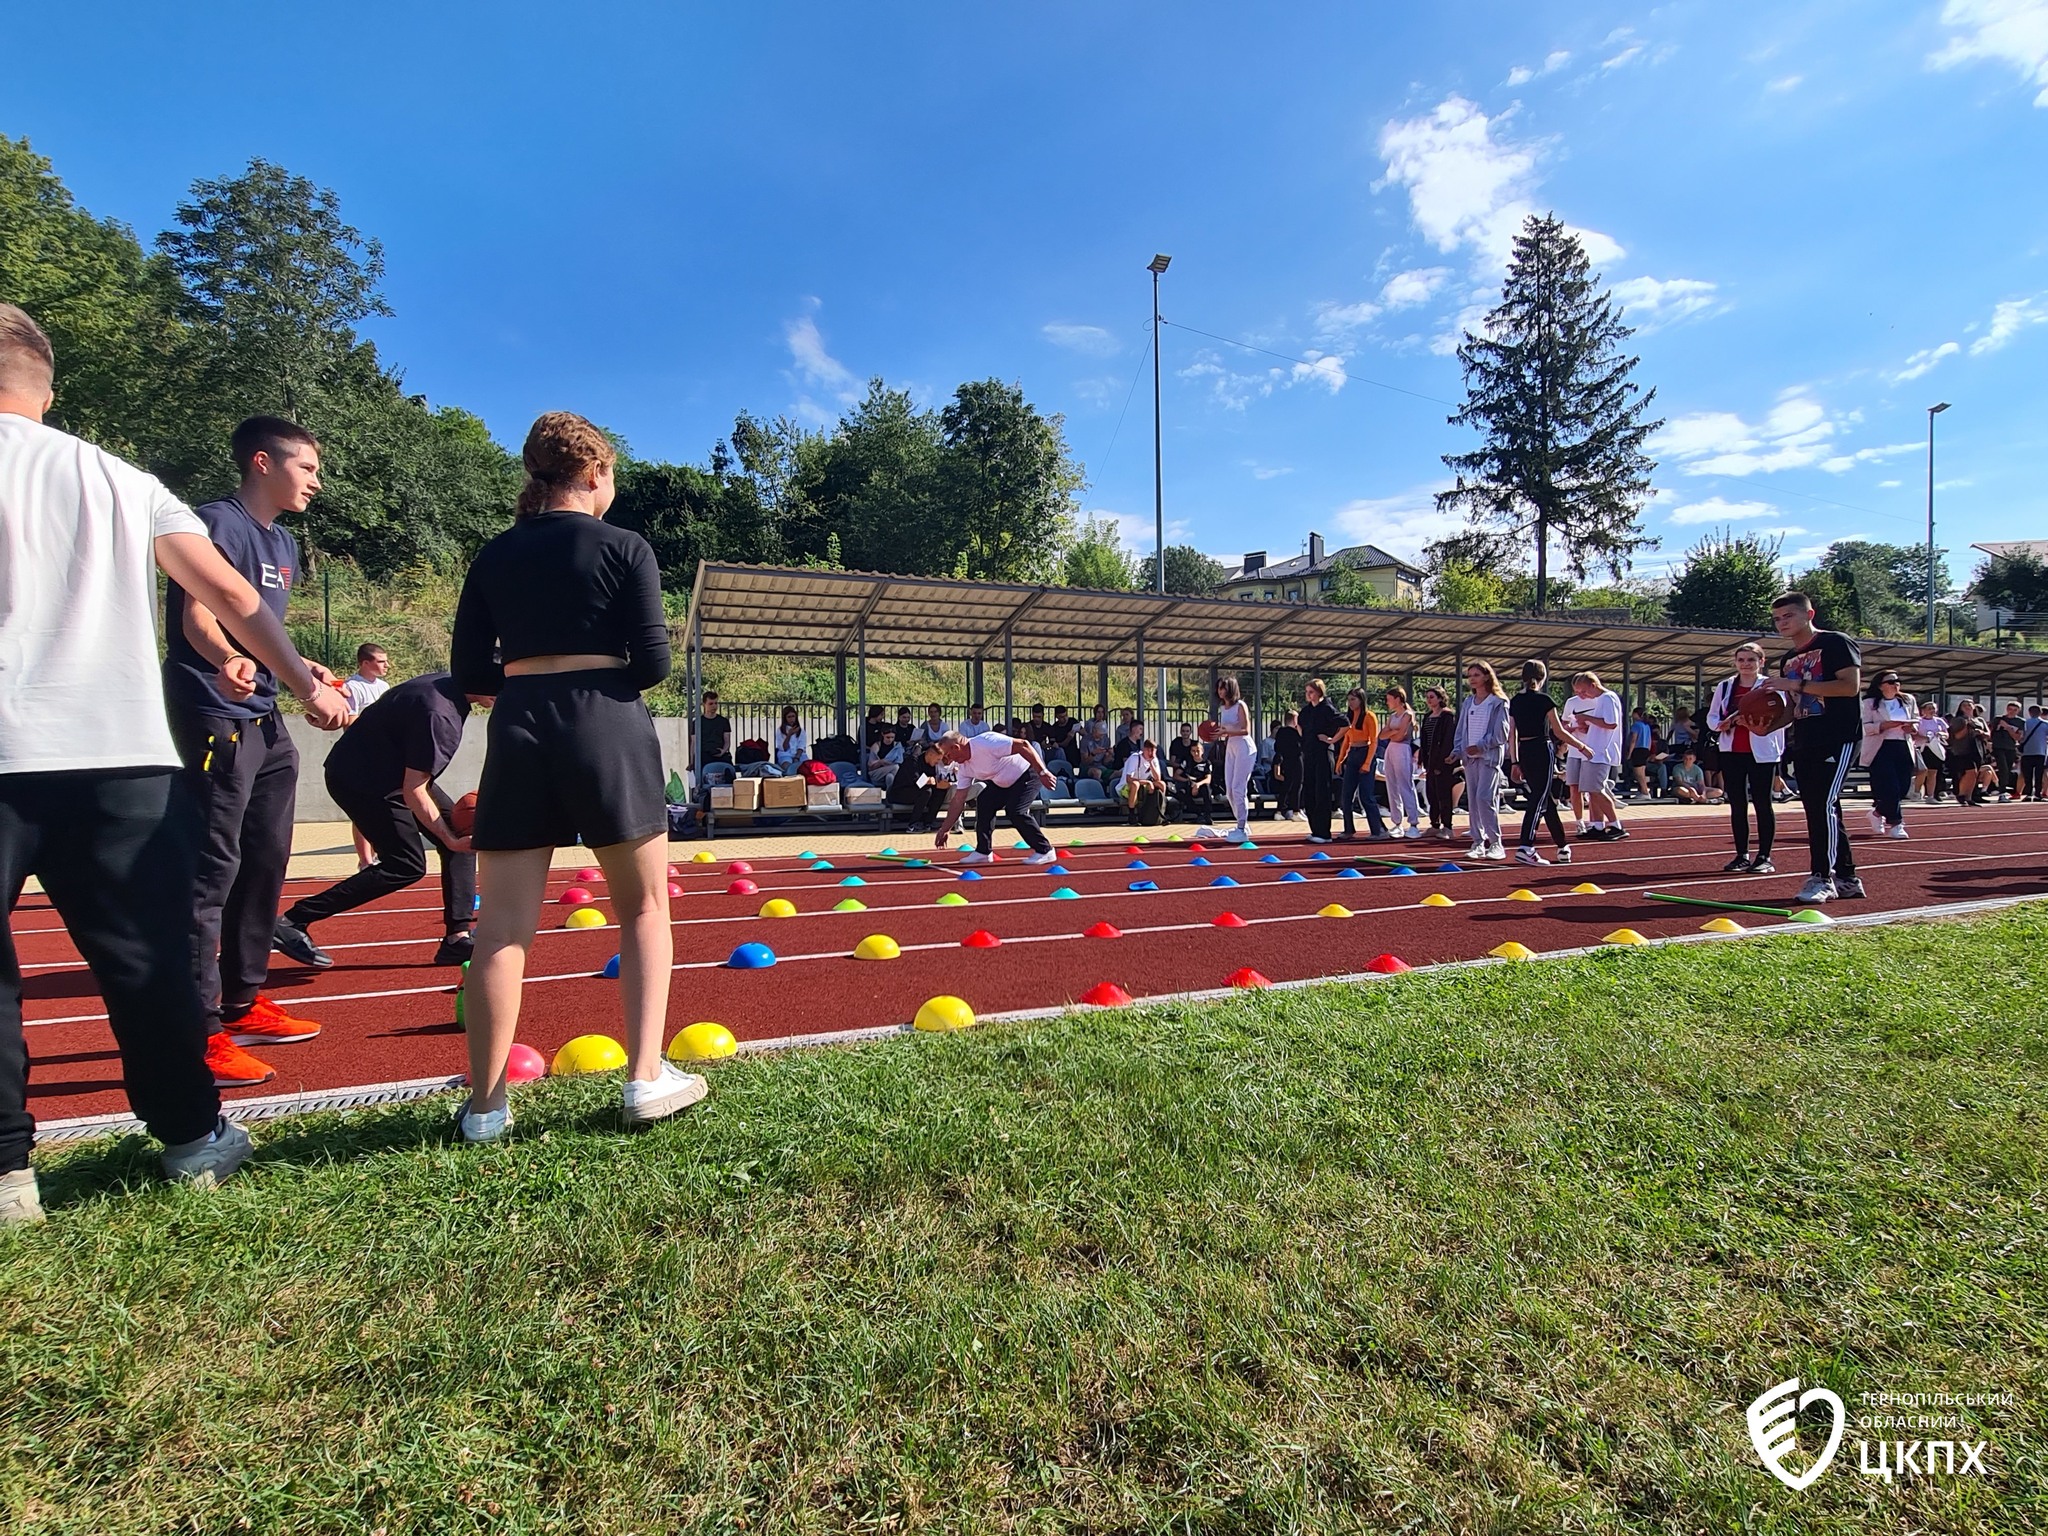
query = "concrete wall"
{"x": 463, "y": 773}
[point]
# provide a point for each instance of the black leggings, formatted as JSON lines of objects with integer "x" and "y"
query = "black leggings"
{"x": 1745, "y": 779}
{"x": 1289, "y": 787}
{"x": 1539, "y": 783}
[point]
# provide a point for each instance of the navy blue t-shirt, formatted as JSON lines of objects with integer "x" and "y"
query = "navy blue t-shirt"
{"x": 268, "y": 559}
{"x": 416, "y": 725}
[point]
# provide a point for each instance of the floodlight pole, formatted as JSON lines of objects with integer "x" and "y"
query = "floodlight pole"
{"x": 1158, "y": 265}
{"x": 1932, "y": 412}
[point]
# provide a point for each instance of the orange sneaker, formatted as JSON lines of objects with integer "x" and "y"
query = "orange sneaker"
{"x": 233, "y": 1067}
{"x": 267, "y": 1024}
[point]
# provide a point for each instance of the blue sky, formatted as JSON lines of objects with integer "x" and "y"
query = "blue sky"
{"x": 1823, "y": 218}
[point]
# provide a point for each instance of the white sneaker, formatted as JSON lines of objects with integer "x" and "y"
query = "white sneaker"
{"x": 1897, "y": 833}
{"x": 21, "y": 1199}
{"x": 663, "y": 1096}
{"x": 1495, "y": 852}
{"x": 477, "y": 1127}
{"x": 1578, "y": 829}
{"x": 1876, "y": 825}
{"x": 1563, "y": 855}
{"x": 1050, "y": 856}
{"x": 1239, "y": 835}
{"x": 1814, "y": 892}
{"x": 976, "y": 856}
{"x": 211, "y": 1158}
{"x": 1314, "y": 839}
{"x": 1206, "y": 834}
{"x": 1529, "y": 856}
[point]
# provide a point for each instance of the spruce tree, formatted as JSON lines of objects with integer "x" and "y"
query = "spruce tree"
{"x": 1550, "y": 387}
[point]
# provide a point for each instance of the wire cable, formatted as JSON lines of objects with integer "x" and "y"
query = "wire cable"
{"x": 1128, "y": 395}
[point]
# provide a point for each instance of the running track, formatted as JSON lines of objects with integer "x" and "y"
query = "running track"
{"x": 389, "y": 1015}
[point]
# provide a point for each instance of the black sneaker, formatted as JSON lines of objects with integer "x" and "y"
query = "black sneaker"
{"x": 1762, "y": 867}
{"x": 1616, "y": 833}
{"x": 455, "y": 949}
{"x": 1739, "y": 865}
{"x": 1850, "y": 889}
{"x": 293, "y": 942}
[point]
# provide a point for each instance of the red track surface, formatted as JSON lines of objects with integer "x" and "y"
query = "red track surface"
{"x": 389, "y": 1015}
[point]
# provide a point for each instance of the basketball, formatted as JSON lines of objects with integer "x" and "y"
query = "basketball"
{"x": 462, "y": 815}
{"x": 1208, "y": 730}
{"x": 1764, "y": 710}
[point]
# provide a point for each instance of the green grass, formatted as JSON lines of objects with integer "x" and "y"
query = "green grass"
{"x": 1501, "y": 1250}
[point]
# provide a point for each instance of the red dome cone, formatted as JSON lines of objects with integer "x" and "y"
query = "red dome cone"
{"x": 1226, "y": 920}
{"x": 1102, "y": 931}
{"x": 981, "y": 938}
{"x": 743, "y": 888}
{"x": 1389, "y": 965}
{"x": 1106, "y": 994}
{"x": 739, "y": 867}
{"x": 1245, "y": 976}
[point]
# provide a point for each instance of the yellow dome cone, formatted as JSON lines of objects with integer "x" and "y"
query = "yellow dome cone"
{"x": 1587, "y": 888}
{"x": 944, "y": 1013}
{"x": 877, "y": 946}
{"x": 586, "y": 1054}
{"x": 1436, "y": 899}
{"x": 1335, "y": 909}
{"x": 1722, "y": 925}
{"x": 702, "y": 1042}
{"x": 1624, "y": 936}
{"x": 703, "y": 856}
{"x": 1523, "y": 894}
{"x": 1512, "y": 951}
{"x": 584, "y": 917}
{"x": 778, "y": 907}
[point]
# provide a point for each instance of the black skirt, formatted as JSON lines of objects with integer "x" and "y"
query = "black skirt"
{"x": 571, "y": 754}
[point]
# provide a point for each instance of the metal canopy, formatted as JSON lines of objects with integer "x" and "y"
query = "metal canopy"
{"x": 778, "y": 611}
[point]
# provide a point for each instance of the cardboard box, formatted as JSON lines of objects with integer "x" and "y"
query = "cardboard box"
{"x": 739, "y": 795}
{"x": 822, "y": 797}
{"x": 782, "y": 794}
{"x": 864, "y": 796}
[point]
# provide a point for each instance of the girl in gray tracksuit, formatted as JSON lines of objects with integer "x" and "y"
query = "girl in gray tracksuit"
{"x": 1482, "y": 736}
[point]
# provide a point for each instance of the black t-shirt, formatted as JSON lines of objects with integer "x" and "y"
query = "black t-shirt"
{"x": 1824, "y": 722}
{"x": 1287, "y": 744}
{"x": 560, "y": 584}
{"x": 268, "y": 559}
{"x": 1125, "y": 746}
{"x": 1531, "y": 710}
{"x": 418, "y": 725}
{"x": 717, "y": 733}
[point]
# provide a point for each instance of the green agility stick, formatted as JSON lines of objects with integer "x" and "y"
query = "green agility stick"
{"x": 1802, "y": 915}
{"x": 907, "y": 860}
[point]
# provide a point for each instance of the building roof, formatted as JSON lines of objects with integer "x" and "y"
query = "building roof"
{"x": 1362, "y": 556}
{"x": 776, "y": 611}
{"x": 2036, "y": 549}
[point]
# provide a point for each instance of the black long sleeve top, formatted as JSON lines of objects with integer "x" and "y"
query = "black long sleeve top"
{"x": 560, "y": 584}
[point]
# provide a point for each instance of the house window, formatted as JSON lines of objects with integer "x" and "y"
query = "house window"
{"x": 1294, "y": 594}
{"x": 1324, "y": 583}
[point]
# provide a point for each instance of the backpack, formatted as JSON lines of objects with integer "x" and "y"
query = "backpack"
{"x": 815, "y": 772}
{"x": 836, "y": 749}
{"x": 751, "y": 752}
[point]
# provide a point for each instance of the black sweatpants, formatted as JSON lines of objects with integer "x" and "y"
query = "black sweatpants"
{"x": 1746, "y": 780}
{"x": 114, "y": 851}
{"x": 391, "y": 829}
{"x": 2030, "y": 775}
{"x": 244, "y": 774}
{"x": 1015, "y": 801}
{"x": 1318, "y": 793}
{"x": 1441, "y": 782}
{"x": 1822, "y": 769}
{"x": 1539, "y": 781}
{"x": 1287, "y": 789}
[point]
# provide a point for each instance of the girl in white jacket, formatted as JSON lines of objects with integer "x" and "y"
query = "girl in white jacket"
{"x": 1748, "y": 762}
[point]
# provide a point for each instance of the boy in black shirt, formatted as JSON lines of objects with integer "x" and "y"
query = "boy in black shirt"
{"x": 714, "y": 731}
{"x": 381, "y": 773}
{"x": 1823, "y": 676}
{"x": 1536, "y": 725}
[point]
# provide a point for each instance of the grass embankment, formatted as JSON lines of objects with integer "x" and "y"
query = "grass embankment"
{"x": 1500, "y": 1250}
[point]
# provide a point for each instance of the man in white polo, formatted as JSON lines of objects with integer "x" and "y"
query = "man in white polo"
{"x": 1593, "y": 714}
{"x": 1009, "y": 771}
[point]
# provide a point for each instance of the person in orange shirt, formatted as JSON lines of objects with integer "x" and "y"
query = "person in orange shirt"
{"x": 1355, "y": 745}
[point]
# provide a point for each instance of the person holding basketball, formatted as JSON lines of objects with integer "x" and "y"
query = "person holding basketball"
{"x": 382, "y": 774}
{"x": 1823, "y": 676}
{"x": 1749, "y": 761}
{"x": 560, "y": 623}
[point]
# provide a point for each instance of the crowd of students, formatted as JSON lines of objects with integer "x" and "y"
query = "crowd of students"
{"x": 155, "y": 801}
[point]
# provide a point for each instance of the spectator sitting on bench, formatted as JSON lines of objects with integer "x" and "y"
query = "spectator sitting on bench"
{"x": 920, "y": 792}
{"x": 1128, "y": 744}
{"x": 904, "y": 726}
{"x": 1688, "y": 779}
{"x": 885, "y": 757}
{"x": 930, "y": 729}
{"x": 1141, "y": 783}
{"x": 1095, "y": 745}
{"x": 1059, "y": 737}
{"x": 1177, "y": 754}
{"x": 1194, "y": 779}
{"x": 792, "y": 746}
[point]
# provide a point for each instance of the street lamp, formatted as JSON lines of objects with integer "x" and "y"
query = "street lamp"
{"x": 1932, "y": 412}
{"x": 1157, "y": 265}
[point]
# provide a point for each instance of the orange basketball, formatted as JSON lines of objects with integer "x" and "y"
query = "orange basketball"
{"x": 462, "y": 815}
{"x": 1208, "y": 730}
{"x": 1764, "y": 710}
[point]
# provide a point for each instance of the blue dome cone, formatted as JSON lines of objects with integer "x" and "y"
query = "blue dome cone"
{"x": 1269, "y": 858}
{"x": 1451, "y": 869}
{"x": 968, "y": 874}
{"x": 1292, "y": 874}
{"x": 1400, "y": 869}
{"x": 1349, "y": 874}
{"x": 611, "y": 969}
{"x": 1144, "y": 885}
{"x": 1223, "y": 880}
{"x": 1137, "y": 864}
{"x": 1198, "y": 862}
{"x": 752, "y": 957}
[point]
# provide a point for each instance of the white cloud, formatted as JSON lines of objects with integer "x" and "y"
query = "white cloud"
{"x": 1846, "y": 461}
{"x": 1715, "y": 510}
{"x": 1092, "y": 339}
{"x": 1416, "y": 286}
{"x": 816, "y": 368}
{"x": 1320, "y": 368}
{"x": 1234, "y": 390}
{"x": 1137, "y": 530}
{"x": 1653, "y": 303}
{"x": 1793, "y": 435}
{"x": 1887, "y": 485}
{"x": 1471, "y": 318}
{"x": 1267, "y": 471}
{"x": 1556, "y": 60}
{"x": 1522, "y": 74}
{"x": 2011, "y": 32}
{"x": 1335, "y": 320}
{"x": 1399, "y": 524}
{"x": 2008, "y": 319}
{"x": 1785, "y": 83}
{"x": 1469, "y": 187}
{"x": 1924, "y": 361}
{"x": 1627, "y": 55}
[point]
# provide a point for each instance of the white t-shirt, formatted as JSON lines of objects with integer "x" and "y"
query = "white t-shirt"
{"x": 991, "y": 761}
{"x": 1137, "y": 771}
{"x": 1604, "y": 737}
{"x": 80, "y": 687}
{"x": 363, "y": 691}
{"x": 973, "y": 728}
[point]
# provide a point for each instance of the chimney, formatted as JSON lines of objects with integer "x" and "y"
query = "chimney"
{"x": 1315, "y": 549}
{"x": 1254, "y": 562}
